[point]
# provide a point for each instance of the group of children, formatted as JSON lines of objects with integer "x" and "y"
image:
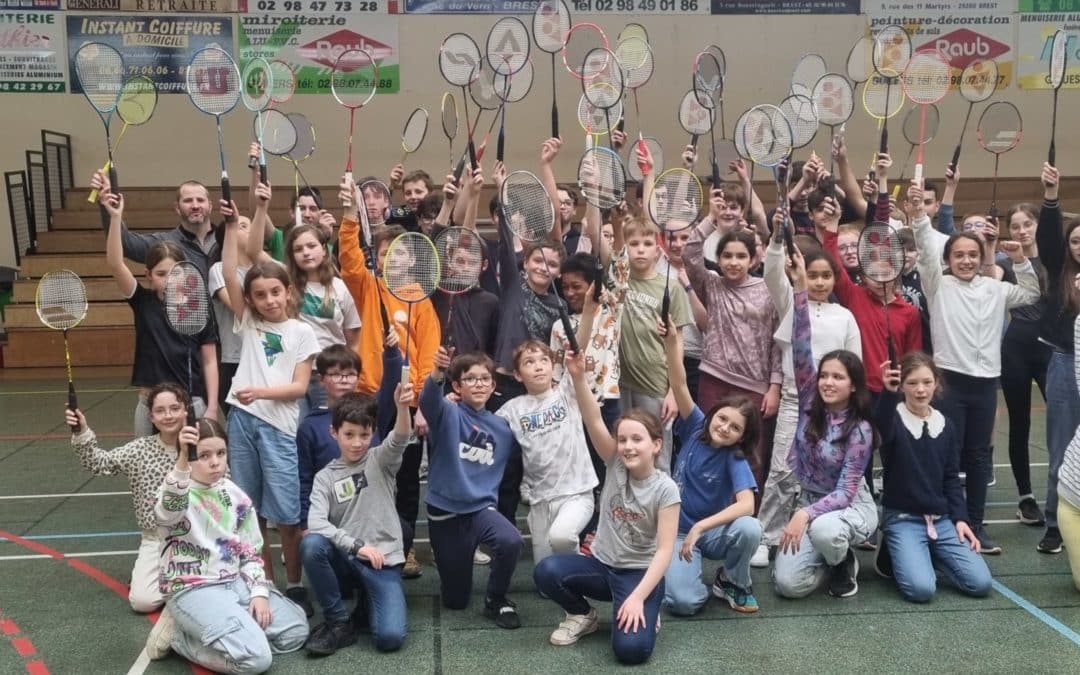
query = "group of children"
{"x": 721, "y": 405}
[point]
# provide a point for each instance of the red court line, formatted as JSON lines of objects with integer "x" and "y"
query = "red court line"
{"x": 60, "y": 436}
{"x": 24, "y": 646}
{"x": 86, "y": 569}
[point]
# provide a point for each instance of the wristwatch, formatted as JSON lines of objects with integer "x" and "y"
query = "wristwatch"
{"x": 357, "y": 545}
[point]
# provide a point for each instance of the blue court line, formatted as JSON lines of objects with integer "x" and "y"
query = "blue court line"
{"x": 79, "y": 535}
{"x": 1063, "y": 630}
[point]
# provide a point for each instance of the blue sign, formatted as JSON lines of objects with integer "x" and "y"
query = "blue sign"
{"x": 159, "y": 47}
{"x": 470, "y": 6}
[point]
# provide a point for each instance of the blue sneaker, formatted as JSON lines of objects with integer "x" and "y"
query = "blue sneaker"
{"x": 738, "y": 599}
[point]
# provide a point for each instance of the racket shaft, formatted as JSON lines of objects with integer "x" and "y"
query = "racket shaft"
{"x": 554, "y": 106}
{"x": 192, "y": 450}
{"x": 1051, "y": 155}
{"x": 693, "y": 141}
{"x": 72, "y": 400}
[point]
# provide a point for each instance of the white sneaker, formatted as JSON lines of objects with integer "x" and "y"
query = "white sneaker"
{"x": 481, "y": 558}
{"x": 574, "y": 627}
{"x": 760, "y": 559}
{"x": 159, "y": 642}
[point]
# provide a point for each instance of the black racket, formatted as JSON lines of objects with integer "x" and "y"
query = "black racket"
{"x": 459, "y": 61}
{"x": 673, "y": 204}
{"x": 1059, "y": 60}
{"x": 707, "y": 91}
{"x": 551, "y": 24}
{"x": 213, "y": 84}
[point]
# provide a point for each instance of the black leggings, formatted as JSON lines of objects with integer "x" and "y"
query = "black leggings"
{"x": 1023, "y": 360}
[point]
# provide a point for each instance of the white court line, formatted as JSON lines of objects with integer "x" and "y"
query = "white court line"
{"x": 64, "y": 495}
{"x": 141, "y": 663}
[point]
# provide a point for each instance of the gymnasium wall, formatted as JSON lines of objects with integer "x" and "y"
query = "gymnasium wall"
{"x": 179, "y": 142}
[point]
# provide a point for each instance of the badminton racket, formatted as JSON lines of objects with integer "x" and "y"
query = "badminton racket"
{"x": 1000, "y": 130}
{"x": 601, "y": 177}
{"x": 721, "y": 60}
{"x": 257, "y": 80}
{"x": 978, "y": 82}
{"x": 482, "y": 92}
{"x": 302, "y": 148}
{"x": 459, "y": 61}
{"x": 802, "y": 117}
{"x": 353, "y": 82}
{"x": 673, "y": 204}
{"x": 594, "y": 121}
{"x": 881, "y": 260}
{"x": 834, "y": 101}
{"x": 809, "y": 69}
{"x": 412, "y": 274}
{"x": 694, "y": 118}
{"x": 461, "y": 255}
{"x": 551, "y": 23}
{"x": 707, "y": 92}
{"x": 860, "y": 61}
{"x": 602, "y": 83}
{"x": 187, "y": 310}
{"x": 507, "y": 50}
{"x": 283, "y": 82}
{"x": 213, "y": 84}
{"x": 100, "y": 70}
{"x": 529, "y": 213}
{"x": 633, "y": 30}
{"x": 767, "y": 135}
{"x": 926, "y": 80}
{"x": 279, "y": 134}
{"x": 449, "y": 118}
{"x": 919, "y": 131}
{"x": 413, "y": 133}
{"x": 891, "y": 54}
{"x": 1059, "y": 59}
{"x": 638, "y": 169}
{"x": 636, "y": 60}
{"x": 581, "y": 39}
{"x": 138, "y": 99}
{"x": 61, "y": 305}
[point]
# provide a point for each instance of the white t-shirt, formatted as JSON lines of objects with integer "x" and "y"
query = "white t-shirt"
{"x": 270, "y": 354}
{"x": 331, "y": 322}
{"x": 230, "y": 342}
{"x": 549, "y": 430}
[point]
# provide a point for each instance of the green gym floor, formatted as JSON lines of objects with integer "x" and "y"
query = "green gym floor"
{"x": 68, "y": 540}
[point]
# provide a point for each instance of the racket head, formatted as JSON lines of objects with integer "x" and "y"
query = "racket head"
{"x": 802, "y": 117}
{"x": 708, "y": 79}
{"x": 138, "y": 99}
{"x": 513, "y": 88}
{"x": 461, "y": 256}
{"x": 527, "y": 207}
{"x": 740, "y": 136}
{"x": 414, "y": 131}
{"x": 411, "y": 269}
{"x": 881, "y": 253}
{"x": 633, "y": 30}
{"x": 834, "y": 99}
{"x": 860, "y": 61}
{"x": 580, "y": 40}
{"x": 767, "y": 135}
{"x": 1000, "y": 127}
{"x": 602, "y": 177}
{"x": 304, "y": 146}
{"x": 187, "y": 304}
{"x": 602, "y": 79}
{"x": 927, "y": 78}
{"x": 892, "y": 50}
{"x": 355, "y": 78}
{"x": 482, "y": 86}
{"x": 694, "y": 117}
{"x": 979, "y": 80}
{"x": 257, "y": 84}
{"x": 657, "y": 152}
{"x": 213, "y": 81}
{"x": 809, "y": 69}
{"x": 458, "y": 59}
{"x": 1059, "y": 58}
{"x": 636, "y": 60}
{"x": 721, "y": 58}
{"x": 449, "y": 115}
{"x": 508, "y": 45}
{"x": 60, "y": 300}
{"x": 377, "y": 200}
{"x": 594, "y": 120}
{"x": 284, "y": 81}
{"x": 551, "y": 23}
{"x": 916, "y": 132}
{"x": 675, "y": 200}
{"x": 100, "y": 70}
{"x": 882, "y": 97}
{"x": 278, "y": 132}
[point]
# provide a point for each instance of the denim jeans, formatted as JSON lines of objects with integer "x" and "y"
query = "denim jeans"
{"x": 732, "y": 544}
{"x": 570, "y": 579}
{"x": 263, "y": 462}
{"x": 332, "y": 573}
{"x": 916, "y": 558}
{"x": 1062, "y": 418}
{"x": 970, "y": 403}
{"x": 214, "y": 628}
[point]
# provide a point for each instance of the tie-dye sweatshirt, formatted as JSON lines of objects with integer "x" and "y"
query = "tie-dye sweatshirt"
{"x": 211, "y": 535}
{"x": 832, "y": 467}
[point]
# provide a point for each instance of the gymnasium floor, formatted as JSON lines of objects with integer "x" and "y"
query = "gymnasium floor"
{"x": 67, "y": 542}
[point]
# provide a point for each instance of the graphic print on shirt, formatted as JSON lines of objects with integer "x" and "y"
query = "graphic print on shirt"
{"x": 541, "y": 421}
{"x": 625, "y": 517}
{"x": 349, "y": 486}
{"x": 479, "y": 447}
{"x": 272, "y": 346}
{"x": 312, "y": 305}
{"x": 187, "y": 559}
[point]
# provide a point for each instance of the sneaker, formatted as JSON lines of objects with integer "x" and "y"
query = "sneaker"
{"x": 986, "y": 543}
{"x": 586, "y": 544}
{"x": 1029, "y": 513}
{"x": 883, "y": 561}
{"x": 760, "y": 559}
{"x": 298, "y": 594}
{"x": 993, "y": 480}
{"x": 1051, "y": 541}
{"x": 412, "y": 568}
{"x": 870, "y": 543}
{"x": 573, "y": 628}
{"x": 480, "y": 558}
{"x": 159, "y": 642}
{"x": 504, "y": 612}
{"x": 843, "y": 578}
{"x": 963, "y": 479}
{"x": 737, "y": 598}
{"x": 329, "y": 637}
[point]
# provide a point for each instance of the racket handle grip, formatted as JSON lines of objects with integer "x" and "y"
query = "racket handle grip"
{"x": 226, "y": 189}
{"x": 789, "y": 242}
{"x": 114, "y": 183}
{"x": 554, "y": 120}
{"x": 955, "y": 158}
{"x": 1051, "y": 156}
{"x": 665, "y": 307}
{"x": 458, "y": 170}
{"x": 568, "y": 329}
{"x": 884, "y": 146}
{"x": 404, "y": 376}
{"x": 643, "y": 166}
{"x": 621, "y": 125}
{"x": 893, "y": 361}
{"x": 93, "y": 196}
{"x": 263, "y": 177}
{"x": 598, "y": 285}
{"x": 192, "y": 450}
{"x": 693, "y": 141}
{"x": 472, "y": 155}
{"x": 715, "y": 174}
{"x": 918, "y": 175}
{"x": 500, "y": 145}
{"x": 73, "y": 405}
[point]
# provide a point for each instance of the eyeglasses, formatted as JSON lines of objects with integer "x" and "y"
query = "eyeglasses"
{"x": 566, "y": 202}
{"x": 976, "y": 225}
{"x": 472, "y": 380}
{"x": 848, "y": 247}
{"x": 341, "y": 377}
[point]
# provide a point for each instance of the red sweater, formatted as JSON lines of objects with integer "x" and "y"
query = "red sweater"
{"x": 869, "y": 312}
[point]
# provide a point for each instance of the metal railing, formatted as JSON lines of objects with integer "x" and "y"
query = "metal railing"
{"x": 35, "y": 192}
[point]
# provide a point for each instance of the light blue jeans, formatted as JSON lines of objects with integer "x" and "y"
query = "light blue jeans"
{"x": 732, "y": 544}
{"x": 263, "y": 462}
{"x": 916, "y": 558}
{"x": 1062, "y": 418}
{"x": 214, "y": 628}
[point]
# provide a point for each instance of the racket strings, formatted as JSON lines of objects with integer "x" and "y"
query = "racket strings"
{"x": 304, "y": 145}
{"x": 482, "y": 86}
{"x": 916, "y": 130}
{"x": 708, "y": 81}
{"x": 461, "y": 255}
{"x": 138, "y": 100}
{"x": 581, "y": 39}
{"x": 100, "y": 70}
{"x": 883, "y": 97}
{"x": 213, "y": 82}
{"x": 675, "y": 200}
{"x": 834, "y": 99}
{"x": 60, "y": 300}
{"x": 860, "y": 62}
{"x": 880, "y": 253}
{"x": 258, "y": 85}
{"x": 602, "y": 177}
{"x": 513, "y": 88}
{"x": 354, "y": 79}
{"x": 594, "y": 120}
{"x": 809, "y": 69}
{"x": 802, "y": 118}
{"x": 412, "y": 136}
{"x": 187, "y": 306}
{"x": 927, "y": 78}
{"x": 278, "y": 133}
{"x": 508, "y": 45}
{"x": 891, "y": 52}
{"x": 694, "y": 117}
{"x": 283, "y": 81}
{"x": 1000, "y": 127}
{"x": 636, "y": 58}
{"x": 1058, "y": 58}
{"x": 551, "y": 23}
{"x": 767, "y": 135}
{"x": 979, "y": 80}
{"x": 527, "y": 206}
{"x": 458, "y": 58}
{"x": 411, "y": 270}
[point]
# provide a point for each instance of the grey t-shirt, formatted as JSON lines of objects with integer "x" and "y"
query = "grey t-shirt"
{"x": 629, "y": 512}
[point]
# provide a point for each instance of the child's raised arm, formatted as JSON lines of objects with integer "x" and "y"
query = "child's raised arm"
{"x": 602, "y": 439}
{"x": 114, "y": 243}
{"x": 260, "y": 224}
{"x": 677, "y": 371}
{"x": 230, "y": 260}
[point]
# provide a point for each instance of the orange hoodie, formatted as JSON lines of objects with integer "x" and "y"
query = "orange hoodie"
{"x": 366, "y": 289}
